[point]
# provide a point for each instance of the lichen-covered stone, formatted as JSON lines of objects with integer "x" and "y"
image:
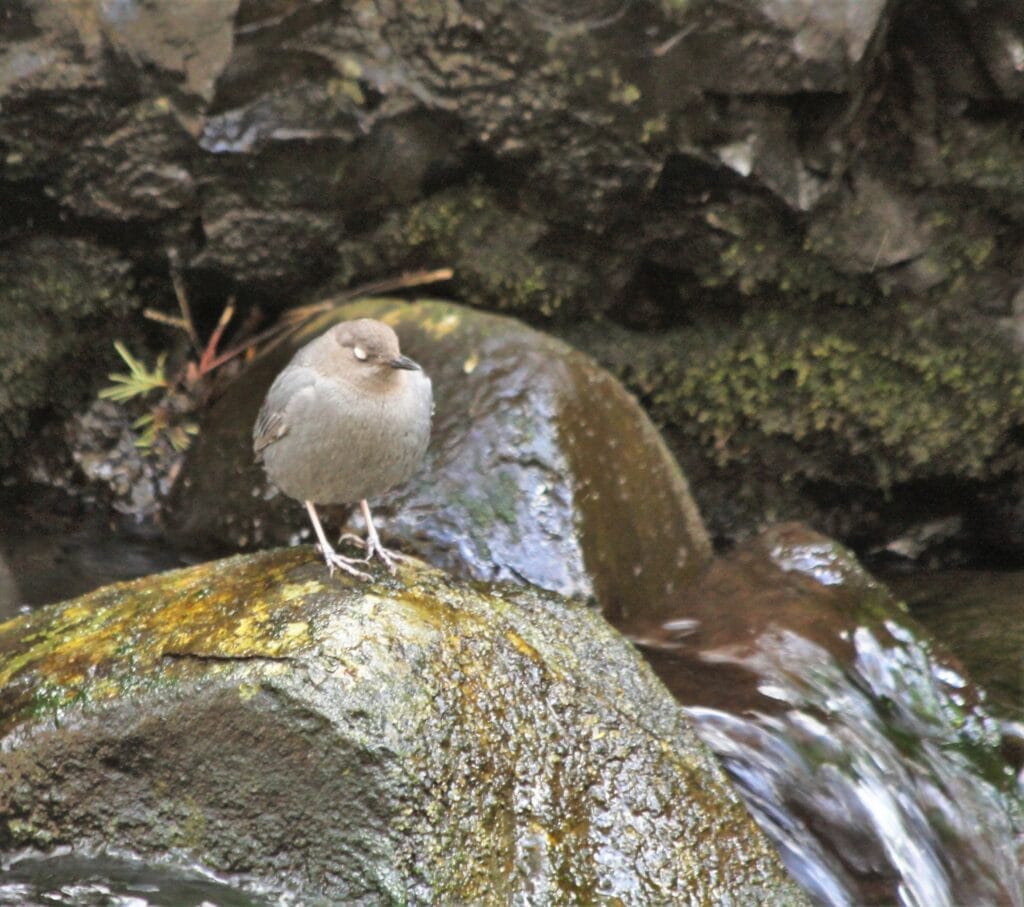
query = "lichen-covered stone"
{"x": 408, "y": 740}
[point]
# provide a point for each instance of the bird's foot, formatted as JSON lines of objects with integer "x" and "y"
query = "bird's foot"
{"x": 390, "y": 558}
{"x": 337, "y": 561}
{"x": 371, "y": 545}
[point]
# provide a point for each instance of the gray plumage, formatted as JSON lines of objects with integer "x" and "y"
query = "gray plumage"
{"x": 347, "y": 419}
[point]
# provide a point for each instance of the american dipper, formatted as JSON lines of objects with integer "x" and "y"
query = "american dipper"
{"x": 347, "y": 418}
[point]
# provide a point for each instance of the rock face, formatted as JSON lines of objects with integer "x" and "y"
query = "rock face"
{"x": 58, "y": 297}
{"x": 542, "y": 468}
{"x": 658, "y": 164}
{"x": 405, "y": 741}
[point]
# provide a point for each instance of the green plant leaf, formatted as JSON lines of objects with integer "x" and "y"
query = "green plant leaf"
{"x": 138, "y": 382}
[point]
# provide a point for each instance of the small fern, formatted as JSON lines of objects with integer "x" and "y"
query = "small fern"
{"x": 157, "y": 424}
{"x": 140, "y": 380}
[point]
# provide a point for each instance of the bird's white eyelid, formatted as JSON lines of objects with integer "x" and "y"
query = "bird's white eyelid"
{"x": 359, "y": 353}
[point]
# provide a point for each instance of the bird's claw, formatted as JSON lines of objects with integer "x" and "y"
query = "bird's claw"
{"x": 353, "y": 539}
{"x": 336, "y": 561}
{"x": 372, "y": 546}
{"x": 390, "y": 558}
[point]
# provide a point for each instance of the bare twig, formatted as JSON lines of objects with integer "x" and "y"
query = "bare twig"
{"x": 878, "y": 254}
{"x": 208, "y": 359}
{"x": 179, "y": 291}
{"x": 163, "y": 318}
{"x": 295, "y": 317}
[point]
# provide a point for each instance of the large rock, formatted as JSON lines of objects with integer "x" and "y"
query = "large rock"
{"x": 406, "y": 740}
{"x": 542, "y": 468}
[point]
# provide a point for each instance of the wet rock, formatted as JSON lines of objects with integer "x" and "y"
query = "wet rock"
{"x": 863, "y": 749}
{"x": 50, "y": 46}
{"x": 10, "y": 597}
{"x": 261, "y": 242}
{"x": 138, "y": 171}
{"x": 541, "y": 467}
{"x": 582, "y": 107}
{"x": 978, "y": 615}
{"x": 123, "y": 81}
{"x": 502, "y": 260}
{"x": 656, "y": 164}
{"x": 775, "y": 48}
{"x": 406, "y": 740}
{"x": 870, "y": 226}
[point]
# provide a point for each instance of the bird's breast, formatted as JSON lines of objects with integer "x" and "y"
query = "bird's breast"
{"x": 344, "y": 444}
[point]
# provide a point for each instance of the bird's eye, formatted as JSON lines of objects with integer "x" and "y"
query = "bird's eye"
{"x": 359, "y": 353}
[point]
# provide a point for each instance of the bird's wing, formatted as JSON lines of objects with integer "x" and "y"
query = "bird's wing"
{"x": 272, "y": 422}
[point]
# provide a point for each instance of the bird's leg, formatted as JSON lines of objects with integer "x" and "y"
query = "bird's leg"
{"x": 331, "y": 556}
{"x": 373, "y": 541}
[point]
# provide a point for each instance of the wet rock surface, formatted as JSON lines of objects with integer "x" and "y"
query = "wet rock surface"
{"x": 404, "y": 740}
{"x": 541, "y": 468}
{"x": 979, "y": 615}
{"x": 863, "y": 748}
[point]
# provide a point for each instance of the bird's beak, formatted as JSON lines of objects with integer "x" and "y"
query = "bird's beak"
{"x": 404, "y": 362}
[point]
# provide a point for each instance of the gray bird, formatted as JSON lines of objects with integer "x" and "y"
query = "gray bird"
{"x": 347, "y": 419}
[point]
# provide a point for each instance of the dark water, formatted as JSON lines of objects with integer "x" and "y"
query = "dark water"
{"x": 54, "y": 547}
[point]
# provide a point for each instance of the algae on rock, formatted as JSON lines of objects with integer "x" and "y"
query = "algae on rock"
{"x": 405, "y": 740}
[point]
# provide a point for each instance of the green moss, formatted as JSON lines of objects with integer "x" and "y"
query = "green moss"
{"x": 653, "y": 128}
{"x": 496, "y": 253}
{"x": 984, "y": 155}
{"x": 504, "y": 496}
{"x": 758, "y": 254}
{"x": 846, "y": 399}
{"x": 62, "y": 648}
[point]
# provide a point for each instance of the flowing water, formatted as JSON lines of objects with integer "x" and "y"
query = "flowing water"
{"x": 861, "y": 748}
{"x": 77, "y": 880}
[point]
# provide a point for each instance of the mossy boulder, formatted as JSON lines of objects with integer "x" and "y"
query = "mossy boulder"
{"x": 541, "y": 468}
{"x": 406, "y": 740}
{"x": 503, "y": 260}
